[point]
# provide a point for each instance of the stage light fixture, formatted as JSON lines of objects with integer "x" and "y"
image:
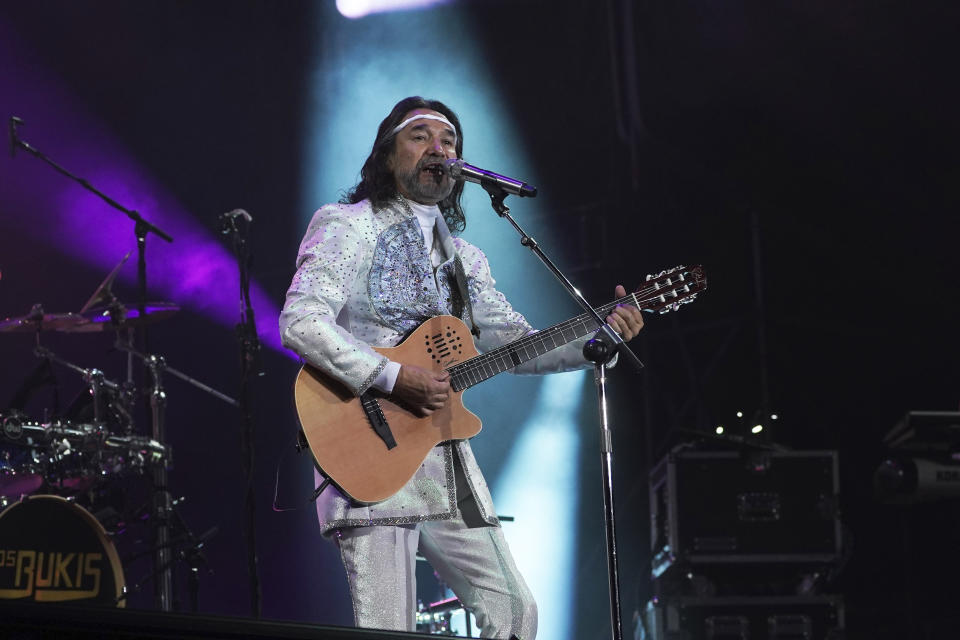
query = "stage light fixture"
{"x": 359, "y": 8}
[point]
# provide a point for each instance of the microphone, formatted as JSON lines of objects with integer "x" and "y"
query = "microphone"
{"x": 460, "y": 170}
{"x": 237, "y": 213}
{"x": 14, "y": 142}
{"x": 228, "y": 220}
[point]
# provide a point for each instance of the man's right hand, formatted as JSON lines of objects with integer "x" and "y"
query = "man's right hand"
{"x": 421, "y": 390}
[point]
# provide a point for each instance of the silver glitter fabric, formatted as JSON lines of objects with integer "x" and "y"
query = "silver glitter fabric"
{"x": 402, "y": 286}
{"x": 475, "y": 563}
{"x": 380, "y": 563}
{"x": 328, "y": 317}
{"x": 364, "y": 278}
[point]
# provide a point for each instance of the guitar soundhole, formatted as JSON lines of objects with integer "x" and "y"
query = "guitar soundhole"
{"x": 444, "y": 345}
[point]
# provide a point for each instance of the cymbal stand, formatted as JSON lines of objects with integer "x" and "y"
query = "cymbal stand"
{"x": 93, "y": 377}
{"x": 599, "y": 350}
{"x": 162, "y": 502}
{"x": 123, "y": 346}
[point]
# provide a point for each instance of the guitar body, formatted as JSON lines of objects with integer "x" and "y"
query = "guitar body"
{"x": 344, "y": 445}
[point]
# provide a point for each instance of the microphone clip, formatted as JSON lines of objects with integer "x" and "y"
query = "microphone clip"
{"x": 228, "y": 220}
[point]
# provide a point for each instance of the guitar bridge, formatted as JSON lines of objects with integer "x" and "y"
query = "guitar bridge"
{"x": 377, "y": 420}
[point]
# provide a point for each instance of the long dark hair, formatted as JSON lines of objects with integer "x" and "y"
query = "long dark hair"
{"x": 377, "y": 182}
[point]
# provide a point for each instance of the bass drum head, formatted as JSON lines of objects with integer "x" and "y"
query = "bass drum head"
{"x": 52, "y": 550}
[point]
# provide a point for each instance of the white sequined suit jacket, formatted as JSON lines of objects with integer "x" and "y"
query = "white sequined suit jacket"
{"x": 364, "y": 278}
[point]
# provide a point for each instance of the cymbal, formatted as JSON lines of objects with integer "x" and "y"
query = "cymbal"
{"x": 94, "y": 320}
{"x": 103, "y": 318}
{"x": 42, "y": 322}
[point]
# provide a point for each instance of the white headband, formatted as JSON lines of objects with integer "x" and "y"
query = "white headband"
{"x": 423, "y": 116}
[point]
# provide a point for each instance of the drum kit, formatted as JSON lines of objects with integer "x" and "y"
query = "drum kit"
{"x": 52, "y": 547}
{"x": 65, "y": 456}
{"x": 54, "y": 468}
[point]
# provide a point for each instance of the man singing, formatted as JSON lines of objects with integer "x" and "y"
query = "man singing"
{"x": 370, "y": 270}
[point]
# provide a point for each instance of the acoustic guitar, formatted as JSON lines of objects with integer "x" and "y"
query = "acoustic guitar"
{"x": 370, "y": 446}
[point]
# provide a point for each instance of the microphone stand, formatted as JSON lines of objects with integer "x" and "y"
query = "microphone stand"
{"x": 191, "y": 553}
{"x": 599, "y": 350}
{"x": 141, "y": 226}
{"x": 163, "y": 593}
{"x": 249, "y": 348}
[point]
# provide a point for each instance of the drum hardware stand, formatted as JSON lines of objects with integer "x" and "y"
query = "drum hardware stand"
{"x": 236, "y": 224}
{"x": 93, "y": 377}
{"x": 599, "y": 350}
{"x": 41, "y": 375}
{"x": 192, "y": 554}
{"x": 162, "y": 503}
{"x": 122, "y": 346}
{"x": 96, "y": 382}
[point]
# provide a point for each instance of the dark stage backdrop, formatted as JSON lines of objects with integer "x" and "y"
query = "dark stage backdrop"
{"x": 808, "y": 147}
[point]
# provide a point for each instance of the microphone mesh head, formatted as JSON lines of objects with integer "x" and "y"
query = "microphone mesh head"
{"x": 454, "y": 166}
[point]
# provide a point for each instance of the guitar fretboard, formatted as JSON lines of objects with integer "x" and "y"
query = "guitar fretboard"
{"x": 468, "y": 373}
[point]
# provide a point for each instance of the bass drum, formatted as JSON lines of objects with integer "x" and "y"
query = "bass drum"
{"x": 52, "y": 550}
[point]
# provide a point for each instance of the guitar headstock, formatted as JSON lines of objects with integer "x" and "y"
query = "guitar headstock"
{"x": 669, "y": 289}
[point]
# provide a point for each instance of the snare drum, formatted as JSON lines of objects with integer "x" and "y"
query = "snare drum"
{"x": 52, "y": 550}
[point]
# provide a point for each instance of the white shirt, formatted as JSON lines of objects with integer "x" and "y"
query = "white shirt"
{"x": 427, "y": 215}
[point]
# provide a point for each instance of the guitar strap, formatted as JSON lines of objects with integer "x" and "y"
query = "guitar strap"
{"x": 460, "y": 297}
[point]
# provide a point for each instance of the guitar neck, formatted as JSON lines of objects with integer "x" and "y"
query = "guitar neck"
{"x": 468, "y": 373}
{"x": 664, "y": 292}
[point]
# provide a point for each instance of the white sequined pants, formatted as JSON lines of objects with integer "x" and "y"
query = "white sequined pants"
{"x": 380, "y": 562}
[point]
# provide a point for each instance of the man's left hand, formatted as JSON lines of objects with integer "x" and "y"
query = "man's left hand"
{"x": 625, "y": 319}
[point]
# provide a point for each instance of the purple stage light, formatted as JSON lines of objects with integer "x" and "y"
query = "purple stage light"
{"x": 196, "y": 271}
